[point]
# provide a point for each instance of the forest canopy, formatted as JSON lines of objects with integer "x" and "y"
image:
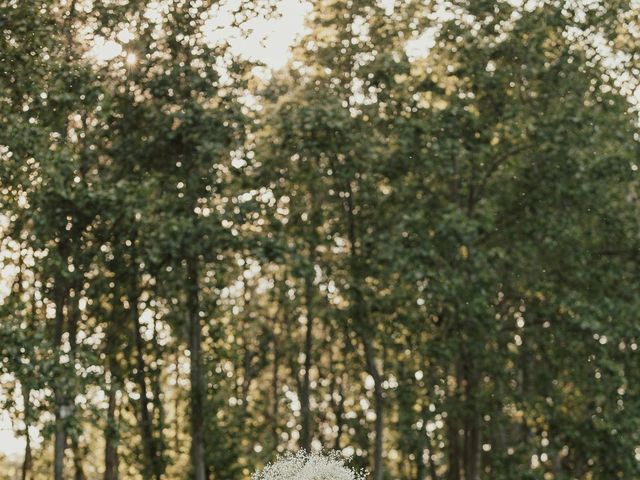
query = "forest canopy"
{"x": 416, "y": 243}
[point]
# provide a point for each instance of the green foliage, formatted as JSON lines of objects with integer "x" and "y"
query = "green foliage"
{"x": 424, "y": 259}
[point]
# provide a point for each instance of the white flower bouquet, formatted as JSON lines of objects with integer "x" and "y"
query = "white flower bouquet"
{"x": 309, "y": 466}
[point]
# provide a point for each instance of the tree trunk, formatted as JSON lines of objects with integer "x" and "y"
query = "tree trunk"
{"x": 305, "y": 400}
{"x": 454, "y": 448}
{"x": 423, "y": 443}
{"x": 73, "y": 315}
{"x": 156, "y": 388}
{"x": 77, "y": 460}
{"x": 197, "y": 379}
{"x": 176, "y": 409}
{"x": 472, "y": 448}
{"x": 28, "y": 459}
{"x": 471, "y": 424}
{"x": 26, "y": 389}
{"x": 152, "y": 469}
{"x": 111, "y": 459}
{"x": 372, "y": 369}
{"x": 421, "y": 468}
{"x": 275, "y": 386}
{"x": 336, "y": 388}
{"x": 363, "y": 328}
{"x": 60, "y": 439}
{"x": 26, "y": 464}
{"x": 59, "y": 443}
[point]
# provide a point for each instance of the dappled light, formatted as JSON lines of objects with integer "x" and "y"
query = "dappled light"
{"x": 290, "y": 240}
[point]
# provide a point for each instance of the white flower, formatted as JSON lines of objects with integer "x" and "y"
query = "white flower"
{"x": 308, "y": 466}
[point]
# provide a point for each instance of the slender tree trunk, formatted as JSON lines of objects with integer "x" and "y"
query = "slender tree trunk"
{"x": 61, "y": 294}
{"x": 77, "y": 460}
{"x": 378, "y": 465}
{"x": 337, "y": 406}
{"x": 59, "y": 443}
{"x": 153, "y": 469}
{"x": 60, "y": 438}
{"x": 472, "y": 448}
{"x": 305, "y": 400}
{"x": 26, "y": 389}
{"x": 176, "y": 408}
{"x": 471, "y": 424}
{"x": 454, "y": 448}
{"x": 525, "y": 362}
{"x": 111, "y": 459}
{"x": 363, "y": 327}
{"x": 156, "y": 388}
{"x": 421, "y": 466}
{"x": 339, "y": 413}
{"x": 111, "y": 432}
{"x": 275, "y": 386}
{"x": 428, "y": 441}
{"x": 197, "y": 379}
{"x": 73, "y": 315}
{"x": 421, "y": 469}
{"x": 26, "y": 464}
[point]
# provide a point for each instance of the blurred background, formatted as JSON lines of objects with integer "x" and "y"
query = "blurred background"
{"x": 407, "y": 230}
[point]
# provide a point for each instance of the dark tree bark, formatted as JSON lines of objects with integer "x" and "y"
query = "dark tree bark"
{"x": 306, "y": 434}
{"x": 26, "y": 389}
{"x": 77, "y": 460}
{"x": 156, "y": 388}
{"x": 60, "y": 436}
{"x": 471, "y": 423}
{"x": 372, "y": 369}
{"x": 338, "y": 408}
{"x": 61, "y": 292}
{"x": 362, "y": 326}
{"x": 73, "y": 314}
{"x": 454, "y": 448}
{"x": 421, "y": 468}
{"x": 114, "y": 369}
{"x": 28, "y": 459}
{"x": 305, "y": 399}
{"x": 197, "y": 378}
{"x": 472, "y": 448}
{"x": 275, "y": 386}
{"x": 177, "y": 426}
{"x": 111, "y": 458}
{"x": 153, "y": 467}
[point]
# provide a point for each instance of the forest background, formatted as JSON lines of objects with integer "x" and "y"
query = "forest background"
{"x": 415, "y": 239}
